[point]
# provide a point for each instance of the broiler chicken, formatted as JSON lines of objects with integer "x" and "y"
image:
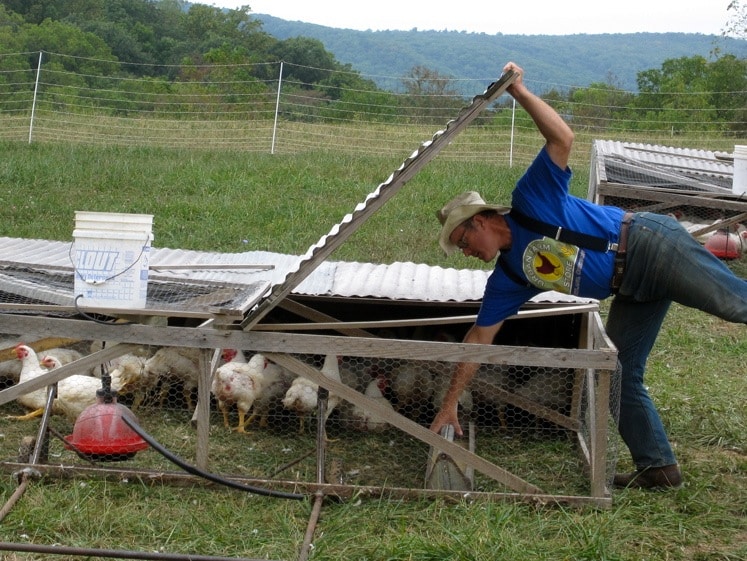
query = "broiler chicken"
{"x": 30, "y": 368}
{"x": 134, "y": 379}
{"x": 301, "y": 397}
{"x": 277, "y": 382}
{"x": 175, "y": 365}
{"x": 64, "y": 355}
{"x": 232, "y": 355}
{"x": 142, "y": 351}
{"x": 12, "y": 368}
{"x": 74, "y": 393}
{"x": 360, "y": 419}
{"x": 238, "y": 383}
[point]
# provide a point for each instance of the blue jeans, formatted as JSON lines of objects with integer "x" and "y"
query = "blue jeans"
{"x": 665, "y": 264}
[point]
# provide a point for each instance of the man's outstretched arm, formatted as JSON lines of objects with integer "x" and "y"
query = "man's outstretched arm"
{"x": 556, "y": 131}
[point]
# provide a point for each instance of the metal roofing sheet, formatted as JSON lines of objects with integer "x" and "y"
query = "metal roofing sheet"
{"x": 396, "y": 281}
{"x": 693, "y": 160}
{"x": 695, "y": 168}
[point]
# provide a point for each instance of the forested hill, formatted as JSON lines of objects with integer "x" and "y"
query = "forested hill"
{"x": 554, "y": 60}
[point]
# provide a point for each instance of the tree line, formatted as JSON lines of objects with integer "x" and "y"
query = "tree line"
{"x": 168, "y": 42}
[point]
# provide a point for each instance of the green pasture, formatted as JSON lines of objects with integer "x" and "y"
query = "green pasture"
{"x": 233, "y": 201}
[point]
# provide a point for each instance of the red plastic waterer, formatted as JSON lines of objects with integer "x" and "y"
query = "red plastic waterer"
{"x": 724, "y": 244}
{"x": 100, "y": 434}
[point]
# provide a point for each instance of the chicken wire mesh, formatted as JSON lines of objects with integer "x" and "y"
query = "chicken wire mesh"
{"x": 693, "y": 186}
{"x": 52, "y": 288}
{"x": 532, "y": 422}
{"x": 720, "y": 228}
{"x": 527, "y": 420}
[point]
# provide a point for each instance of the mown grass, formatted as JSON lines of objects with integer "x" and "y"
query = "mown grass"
{"x": 232, "y": 202}
{"x": 220, "y": 201}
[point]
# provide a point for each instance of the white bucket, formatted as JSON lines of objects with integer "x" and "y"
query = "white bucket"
{"x": 115, "y": 221}
{"x": 112, "y": 253}
{"x": 739, "y": 185}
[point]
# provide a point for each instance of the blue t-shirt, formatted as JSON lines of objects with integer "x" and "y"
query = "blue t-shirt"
{"x": 547, "y": 264}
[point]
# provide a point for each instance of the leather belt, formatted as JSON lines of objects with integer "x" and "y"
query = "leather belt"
{"x": 620, "y": 256}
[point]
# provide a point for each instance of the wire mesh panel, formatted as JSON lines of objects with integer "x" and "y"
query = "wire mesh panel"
{"x": 529, "y": 426}
{"x": 531, "y": 422}
{"x": 693, "y": 186}
{"x": 51, "y": 288}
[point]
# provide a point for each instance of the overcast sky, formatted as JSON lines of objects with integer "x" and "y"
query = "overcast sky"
{"x": 525, "y": 17}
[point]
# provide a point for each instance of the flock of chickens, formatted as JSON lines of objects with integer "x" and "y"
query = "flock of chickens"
{"x": 257, "y": 387}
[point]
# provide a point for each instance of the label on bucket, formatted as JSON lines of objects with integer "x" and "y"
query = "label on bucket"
{"x": 95, "y": 264}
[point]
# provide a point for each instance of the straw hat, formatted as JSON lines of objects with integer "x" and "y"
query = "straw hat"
{"x": 459, "y": 209}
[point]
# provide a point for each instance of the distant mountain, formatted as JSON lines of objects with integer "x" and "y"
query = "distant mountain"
{"x": 554, "y": 60}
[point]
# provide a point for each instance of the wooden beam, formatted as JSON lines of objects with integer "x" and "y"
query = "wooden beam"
{"x": 316, "y": 316}
{"x": 181, "y": 479}
{"x": 403, "y": 423}
{"x": 444, "y": 320}
{"x": 675, "y": 196}
{"x": 602, "y": 358}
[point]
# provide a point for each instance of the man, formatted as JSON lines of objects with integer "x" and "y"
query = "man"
{"x": 646, "y": 260}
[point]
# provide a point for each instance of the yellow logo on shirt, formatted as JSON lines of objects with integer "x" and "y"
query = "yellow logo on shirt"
{"x": 550, "y": 264}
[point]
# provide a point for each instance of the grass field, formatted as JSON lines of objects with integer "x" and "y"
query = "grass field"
{"x": 233, "y": 202}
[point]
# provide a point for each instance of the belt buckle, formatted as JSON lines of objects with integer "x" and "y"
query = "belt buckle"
{"x": 618, "y": 272}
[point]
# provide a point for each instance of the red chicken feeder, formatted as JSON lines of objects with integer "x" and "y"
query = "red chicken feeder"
{"x": 100, "y": 434}
{"x": 724, "y": 245}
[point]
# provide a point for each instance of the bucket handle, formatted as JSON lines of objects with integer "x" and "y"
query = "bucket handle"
{"x": 114, "y": 276}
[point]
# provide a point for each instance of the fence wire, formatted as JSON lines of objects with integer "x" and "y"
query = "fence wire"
{"x": 226, "y": 107}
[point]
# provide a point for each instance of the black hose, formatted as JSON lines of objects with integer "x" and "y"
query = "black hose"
{"x": 115, "y": 553}
{"x": 96, "y": 320}
{"x": 205, "y": 475}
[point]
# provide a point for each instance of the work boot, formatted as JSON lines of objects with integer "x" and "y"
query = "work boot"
{"x": 665, "y": 477}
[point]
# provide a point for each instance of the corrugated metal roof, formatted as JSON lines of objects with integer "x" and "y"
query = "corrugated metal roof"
{"x": 698, "y": 169}
{"x": 396, "y": 281}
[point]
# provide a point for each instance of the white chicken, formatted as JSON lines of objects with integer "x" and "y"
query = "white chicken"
{"x": 232, "y": 355}
{"x": 301, "y": 396}
{"x": 277, "y": 382}
{"x": 134, "y": 379}
{"x": 173, "y": 365}
{"x": 30, "y": 368}
{"x": 239, "y": 383}
{"x": 12, "y": 368}
{"x": 142, "y": 351}
{"x": 63, "y": 354}
{"x": 74, "y": 393}
{"x": 360, "y": 419}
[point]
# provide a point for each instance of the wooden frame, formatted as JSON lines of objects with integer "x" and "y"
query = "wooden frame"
{"x": 594, "y": 362}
